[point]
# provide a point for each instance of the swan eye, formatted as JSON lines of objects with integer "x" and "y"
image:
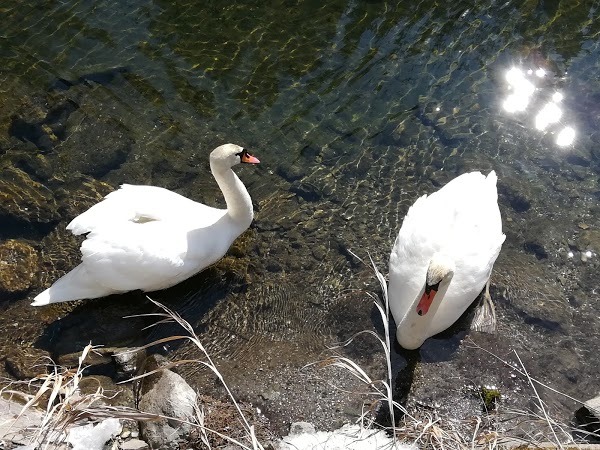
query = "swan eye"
{"x": 433, "y": 287}
{"x": 243, "y": 154}
{"x": 246, "y": 157}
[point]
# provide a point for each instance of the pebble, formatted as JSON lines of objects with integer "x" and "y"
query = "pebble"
{"x": 125, "y": 434}
{"x": 134, "y": 444}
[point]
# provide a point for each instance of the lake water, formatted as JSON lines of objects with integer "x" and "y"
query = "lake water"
{"x": 355, "y": 108}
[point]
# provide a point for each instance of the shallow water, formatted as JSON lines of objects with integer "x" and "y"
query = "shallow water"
{"x": 355, "y": 109}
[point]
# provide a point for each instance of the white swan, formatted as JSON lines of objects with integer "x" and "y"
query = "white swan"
{"x": 149, "y": 238}
{"x": 443, "y": 256}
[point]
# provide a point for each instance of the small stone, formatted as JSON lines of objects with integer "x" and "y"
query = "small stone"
{"x": 583, "y": 226}
{"x": 135, "y": 434}
{"x": 319, "y": 252}
{"x": 298, "y": 428}
{"x": 129, "y": 361}
{"x": 125, "y": 434}
{"x": 134, "y": 444}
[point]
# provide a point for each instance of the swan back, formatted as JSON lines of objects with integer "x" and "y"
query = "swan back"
{"x": 461, "y": 223}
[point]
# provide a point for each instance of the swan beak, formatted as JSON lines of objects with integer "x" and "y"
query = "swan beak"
{"x": 426, "y": 301}
{"x": 249, "y": 159}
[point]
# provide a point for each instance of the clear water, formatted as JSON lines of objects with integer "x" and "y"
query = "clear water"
{"x": 355, "y": 108}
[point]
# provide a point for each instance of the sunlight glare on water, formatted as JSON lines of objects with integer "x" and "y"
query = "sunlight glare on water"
{"x": 522, "y": 94}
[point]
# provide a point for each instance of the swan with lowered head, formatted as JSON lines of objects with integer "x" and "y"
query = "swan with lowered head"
{"x": 149, "y": 238}
{"x": 443, "y": 256}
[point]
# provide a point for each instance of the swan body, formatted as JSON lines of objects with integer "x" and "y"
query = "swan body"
{"x": 443, "y": 256}
{"x": 149, "y": 238}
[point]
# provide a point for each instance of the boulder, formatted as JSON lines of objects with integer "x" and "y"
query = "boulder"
{"x": 165, "y": 393}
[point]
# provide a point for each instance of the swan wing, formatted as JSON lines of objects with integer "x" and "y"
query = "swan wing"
{"x": 474, "y": 239}
{"x": 151, "y": 255}
{"x": 140, "y": 204}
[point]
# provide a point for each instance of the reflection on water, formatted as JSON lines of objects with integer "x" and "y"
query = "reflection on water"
{"x": 522, "y": 90}
{"x": 355, "y": 108}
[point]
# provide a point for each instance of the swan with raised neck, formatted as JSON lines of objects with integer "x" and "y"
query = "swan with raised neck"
{"x": 149, "y": 238}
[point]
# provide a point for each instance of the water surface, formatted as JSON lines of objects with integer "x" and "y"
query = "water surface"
{"x": 355, "y": 108}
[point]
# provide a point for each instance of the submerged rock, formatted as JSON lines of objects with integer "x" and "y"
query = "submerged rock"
{"x": 76, "y": 197}
{"x": 95, "y": 146}
{"x": 18, "y": 266}
{"x": 26, "y": 363}
{"x": 23, "y": 199}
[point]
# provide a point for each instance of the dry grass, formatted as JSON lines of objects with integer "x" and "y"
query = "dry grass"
{"x": 58, "y": 393}
{"x": 251, "y": 441}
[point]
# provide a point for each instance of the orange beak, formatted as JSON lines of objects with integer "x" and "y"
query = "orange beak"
{"x": 248, "y": 158}
{"x": 426, "y": 301}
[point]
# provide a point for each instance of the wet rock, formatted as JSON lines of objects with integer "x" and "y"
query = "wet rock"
{"x": 319, "y": 252}
{"x": 589, "y": 415}
{"x": 168, "y": 394}
{"x": 95, "y": 147}
{"x": 291, "y": 173}
{"x": 23, "y": 199}
{"x": 115, "y": 394}
{"x": 93, "y": 358}
{"x": 33, "y": 123}
{"x": 128, "y": 362}
{"x": 26, "y": 363}
{"x": 32, "y": 162}
{"x": 18, "y": 266}
{"x": 307, "y": 191}
{"x": 589, "y": 239}
{"x": 536, "y": 248}
{"x": 37, "y": 133}
{"x": 517, "y": 200}
{"x": 273, "y": 266}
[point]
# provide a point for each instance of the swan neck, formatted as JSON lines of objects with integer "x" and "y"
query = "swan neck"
{"x": 239, "y": 203}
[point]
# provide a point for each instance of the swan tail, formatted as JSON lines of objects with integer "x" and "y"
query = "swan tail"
{"x": 75, "y": 285}
{"x": 484, "y": 318}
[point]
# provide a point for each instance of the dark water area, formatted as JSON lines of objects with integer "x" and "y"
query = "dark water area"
{"x": 355, "y": 109}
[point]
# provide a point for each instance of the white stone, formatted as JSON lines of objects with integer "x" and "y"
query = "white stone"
{"x": 134, "y": 444}
{"x": 93, "y": 437}
{"x": 349, "y": 437}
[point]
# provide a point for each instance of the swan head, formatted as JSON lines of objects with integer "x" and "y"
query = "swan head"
{"x": 412, "y": 329}
{"x": 439, "y": 272}
{"x": 228, "y": 155}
